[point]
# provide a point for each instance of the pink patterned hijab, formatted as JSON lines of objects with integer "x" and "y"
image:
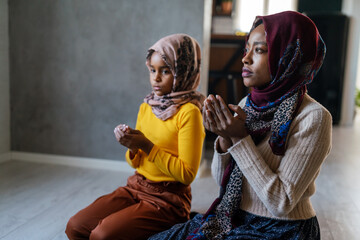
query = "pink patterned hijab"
{"x": 182, "y": 55}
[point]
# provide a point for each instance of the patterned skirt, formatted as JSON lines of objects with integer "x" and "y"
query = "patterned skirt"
{"x": 249, "y": 226}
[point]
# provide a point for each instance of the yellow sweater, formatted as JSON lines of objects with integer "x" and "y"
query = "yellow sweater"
{"x": 177, "y": 143}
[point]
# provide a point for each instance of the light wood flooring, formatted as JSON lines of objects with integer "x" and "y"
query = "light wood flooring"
{"x": 36, "y": 200}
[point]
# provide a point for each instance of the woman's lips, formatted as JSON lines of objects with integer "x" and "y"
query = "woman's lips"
{"x": 246, "y": 72}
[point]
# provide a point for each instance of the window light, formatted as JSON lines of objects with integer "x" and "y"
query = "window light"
{"x": 246, "y": 11}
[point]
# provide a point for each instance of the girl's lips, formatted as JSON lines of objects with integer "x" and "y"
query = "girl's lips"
{"x": 246, "y": 72}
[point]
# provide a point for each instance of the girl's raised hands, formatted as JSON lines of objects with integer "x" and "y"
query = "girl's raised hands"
{"x": 120, "y": 131}
{"x": 132, "y": 139}
{"x": 219, "y": 120}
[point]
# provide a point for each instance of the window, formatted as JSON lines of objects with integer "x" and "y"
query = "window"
{"x": 246, "y": 10}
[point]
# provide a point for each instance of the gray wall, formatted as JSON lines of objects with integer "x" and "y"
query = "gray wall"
{"x": 4, "y": 80}
{"x": 78, "y": 69}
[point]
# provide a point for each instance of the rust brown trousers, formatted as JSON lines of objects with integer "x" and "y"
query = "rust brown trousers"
{"x": 136, "y": 211}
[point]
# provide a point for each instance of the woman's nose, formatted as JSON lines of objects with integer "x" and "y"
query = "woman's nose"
{"x": 246, "y": 59}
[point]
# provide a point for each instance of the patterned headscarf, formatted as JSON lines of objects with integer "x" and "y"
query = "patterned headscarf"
{"x": 182, "y": 55}
{"x": 296, "y": 52}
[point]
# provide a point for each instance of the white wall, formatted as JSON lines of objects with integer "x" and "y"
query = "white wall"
{"x": 205, "y": 51}
{"x": 4, "y": 83}
{"x": 352, "y": 73}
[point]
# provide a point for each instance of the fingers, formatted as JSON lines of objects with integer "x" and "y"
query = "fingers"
{"x": 210, "y": 118}
{"x": 128, "y": 137}
{"x": 211, "y": 122}
{"x": 205, "y": 122}
{"x": 120, "y": 132}
{"x": 224, "y": 108}
{"x": 117, "y": 135}
{"x": 216, "y": 114}
{"x": 125, "y": 128}
{"x": 216, "y": 108}
{"x": 207, "y": 114}
{"x": 122, "y": 128}
{"x": 237, "y": 109}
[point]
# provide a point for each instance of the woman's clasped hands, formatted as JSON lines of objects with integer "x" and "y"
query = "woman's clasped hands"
{"x": 219, "y": 120}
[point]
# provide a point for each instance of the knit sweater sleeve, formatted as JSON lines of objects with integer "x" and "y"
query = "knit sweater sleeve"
{"x": 309, "y": 143}
{"x": 219, "y": 163}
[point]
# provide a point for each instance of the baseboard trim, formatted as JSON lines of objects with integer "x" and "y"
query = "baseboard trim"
{"x": 72, "y": 161}
{"x": 4, "y": 157}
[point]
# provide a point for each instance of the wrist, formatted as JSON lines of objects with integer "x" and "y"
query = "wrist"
{"x": 132, "y": 153}
{"x": 223, "y": 144}
{"x": 148, "y": 147}
{"x": 236, "y": 139}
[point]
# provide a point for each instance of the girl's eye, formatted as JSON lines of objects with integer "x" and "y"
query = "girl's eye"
{"x": 165, "y": 71}
{"x": 152, "y": 70}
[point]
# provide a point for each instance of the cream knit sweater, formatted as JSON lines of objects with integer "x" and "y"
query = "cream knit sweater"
{"x": 281, "y": 186}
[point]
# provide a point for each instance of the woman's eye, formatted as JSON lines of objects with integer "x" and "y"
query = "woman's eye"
{"x": 152, "y": 70}
{"x": 260, "y": 50}
{"x": 166, "y": 71}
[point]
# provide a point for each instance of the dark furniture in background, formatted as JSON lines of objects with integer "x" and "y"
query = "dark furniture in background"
{"x": 327, "y": 86}
{"x": 225, "y": 70}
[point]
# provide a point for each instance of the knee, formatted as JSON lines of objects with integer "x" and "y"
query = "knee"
{"x": 73, "y": 229}
{"x": 99, "y": 234}
{"x": 106, "y": 230}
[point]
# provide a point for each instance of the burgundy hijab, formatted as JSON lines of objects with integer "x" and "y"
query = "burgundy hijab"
{"x": 296, "y": 52}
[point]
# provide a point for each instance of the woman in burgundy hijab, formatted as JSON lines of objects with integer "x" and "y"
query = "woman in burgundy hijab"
{"x": 268, "y": 155}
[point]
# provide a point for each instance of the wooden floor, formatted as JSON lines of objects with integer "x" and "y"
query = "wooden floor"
{"x": 36, "y": 200}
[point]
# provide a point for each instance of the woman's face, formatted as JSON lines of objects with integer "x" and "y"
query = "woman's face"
{"x": 161, "y": 78}
{"x": 256, "y": 64}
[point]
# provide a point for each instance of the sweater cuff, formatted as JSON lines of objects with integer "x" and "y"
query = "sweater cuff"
{"x": 134, "y": 162}
{"x": 220, "y": 160}
{"x": 224, "y": 155}
{"x": 244, "y": 151}
{"x": 153, "y": 153}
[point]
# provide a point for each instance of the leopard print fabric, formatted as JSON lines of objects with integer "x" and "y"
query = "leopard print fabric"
{"x": 219, "y": 223}
{"x": 277, "y": 120}
{"x": 277, "y": 116}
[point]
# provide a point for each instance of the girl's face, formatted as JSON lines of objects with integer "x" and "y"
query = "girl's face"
{"x": 256, "y": 64}
{"x": 161, "y": 78}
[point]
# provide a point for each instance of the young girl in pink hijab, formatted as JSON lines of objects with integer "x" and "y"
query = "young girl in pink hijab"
{"x": 164, "y": 148}
{"x": 267, "y": 156}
